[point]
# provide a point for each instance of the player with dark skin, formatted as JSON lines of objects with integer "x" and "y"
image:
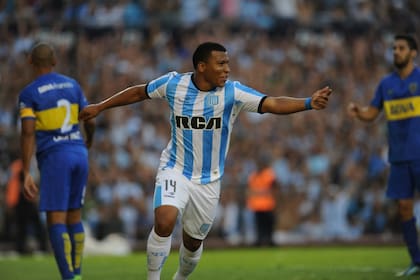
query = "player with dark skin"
{"x": 28, "y": 144}
{"x": 40, "y": 131}
{"x": 209, "y": 74}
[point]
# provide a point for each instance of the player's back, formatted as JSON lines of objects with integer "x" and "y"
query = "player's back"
{"x": 54, "y": 101}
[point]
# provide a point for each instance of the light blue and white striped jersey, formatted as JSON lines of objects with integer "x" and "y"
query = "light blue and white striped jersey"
{"x": 201, "y": 123}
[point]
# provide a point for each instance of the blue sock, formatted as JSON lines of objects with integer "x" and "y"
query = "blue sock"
{"x": 77, "y": 239}
{"x": 60, "y": 243}
{"x": 410, "y": 237}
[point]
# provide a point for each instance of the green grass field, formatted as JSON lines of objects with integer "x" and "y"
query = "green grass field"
{"x": 320, "y": 263}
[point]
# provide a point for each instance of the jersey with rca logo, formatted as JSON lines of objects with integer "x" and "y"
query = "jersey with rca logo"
{"x": 201, "y": 123}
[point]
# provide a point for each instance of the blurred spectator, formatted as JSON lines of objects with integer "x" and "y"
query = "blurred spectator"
{"x": 23, "y": 215}
{"x": 262, "y": 199}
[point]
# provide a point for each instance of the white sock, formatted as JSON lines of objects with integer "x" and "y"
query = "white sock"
{"x": 187, "y": 262}
{"x": 158, "y": 249}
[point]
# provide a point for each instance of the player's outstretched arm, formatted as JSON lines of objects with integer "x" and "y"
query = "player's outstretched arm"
{"x": 127, "y": 96}
{"x": 288, "y": 105}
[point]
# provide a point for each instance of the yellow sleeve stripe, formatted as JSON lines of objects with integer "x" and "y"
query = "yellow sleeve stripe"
{"x": 27, "y": 113}
{"x": 57, "y": 117}
{"x": 403, "y": 108}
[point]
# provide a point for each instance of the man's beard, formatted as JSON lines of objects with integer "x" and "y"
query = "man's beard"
{"x": 402, "y": 64}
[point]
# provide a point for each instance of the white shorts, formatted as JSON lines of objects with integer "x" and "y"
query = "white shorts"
{"x": 197, "y": 203}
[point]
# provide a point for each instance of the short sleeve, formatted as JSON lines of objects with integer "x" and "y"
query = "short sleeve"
{"x": 248, "y": 98}
{"x": 157, "y": 87}
{"x": 377, "y": 100}
{"x": 26, "y": 105}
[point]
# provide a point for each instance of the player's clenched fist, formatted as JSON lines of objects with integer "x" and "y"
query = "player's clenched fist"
{"x": 320, "y": 98}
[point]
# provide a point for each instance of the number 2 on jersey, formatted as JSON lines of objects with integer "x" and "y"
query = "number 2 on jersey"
{"x": 66, "y": 126}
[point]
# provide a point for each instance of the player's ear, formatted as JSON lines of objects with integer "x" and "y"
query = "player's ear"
{"x": 201, "y": 66}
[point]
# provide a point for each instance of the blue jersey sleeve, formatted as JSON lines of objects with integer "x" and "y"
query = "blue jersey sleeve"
{"x": 26, "y": 105}
{"x": 82, "y": 98}
{"x": 378, "y": 99}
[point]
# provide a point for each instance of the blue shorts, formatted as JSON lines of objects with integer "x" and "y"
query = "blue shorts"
{"x": 63, "y": 180}
{"x": 404, "y": 179}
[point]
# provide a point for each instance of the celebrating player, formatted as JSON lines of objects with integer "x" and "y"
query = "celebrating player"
{"x": 204, "y": 105}
{"x": 398, "y": 94}
{"x": 49, "y": 108}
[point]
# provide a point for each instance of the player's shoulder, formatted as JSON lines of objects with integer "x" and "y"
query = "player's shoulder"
{"x": 391, "y": 77}
{"x": 167, "y": 77}
{"x": 172, "y": 74}
{"x": 64, "y": 78}
{"x": 416, "y": 70}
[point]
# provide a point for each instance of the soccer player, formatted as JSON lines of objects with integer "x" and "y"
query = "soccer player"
{"x": 49, "y": 110}
{"x": 204, "y": 105}
{"x": 398, "y": 94}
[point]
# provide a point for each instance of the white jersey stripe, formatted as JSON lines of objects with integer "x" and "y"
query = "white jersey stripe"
{"x": 189, "y": 141}
{"x": 229, "y": 97}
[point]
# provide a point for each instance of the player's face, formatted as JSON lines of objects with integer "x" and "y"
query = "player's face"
{"x": 402, "y": 54}
{"x": 217, "y": 69}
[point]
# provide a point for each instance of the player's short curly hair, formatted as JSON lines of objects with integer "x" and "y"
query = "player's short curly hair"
{"x": 203, "y": 52}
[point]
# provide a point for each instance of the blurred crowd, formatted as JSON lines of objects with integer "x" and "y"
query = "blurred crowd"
{"x": 331, "y": 171}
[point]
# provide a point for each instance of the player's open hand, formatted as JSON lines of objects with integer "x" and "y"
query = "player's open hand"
{"x": 320, "y": 98}
{"x": 30, "y": 190}
{"x": 89, "y": 112}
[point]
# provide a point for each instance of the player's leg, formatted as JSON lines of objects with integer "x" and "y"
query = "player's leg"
{"x": 401, "y": 187}
{"x": 189, "y": 255}
{"x": 197, "y": 221}
{"x": 54, "y": 197}
{"x": 60, "y": 242}
{"x": 170, "y": 198}
{"x": 74, "y": 223}
{"x": 77, "y": 239}
{"x": 160, "y": 239}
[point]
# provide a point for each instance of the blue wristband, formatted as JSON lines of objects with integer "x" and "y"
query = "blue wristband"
{"x": 308, "y": 103}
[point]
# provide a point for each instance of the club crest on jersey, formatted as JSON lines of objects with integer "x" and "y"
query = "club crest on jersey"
{"x": 390, "y": 91}
{"x": 212, "y": 100}
{"x": 412, "y": 87}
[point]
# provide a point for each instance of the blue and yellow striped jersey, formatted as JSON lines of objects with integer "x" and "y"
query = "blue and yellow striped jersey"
{"x": 400, "y": 100}
{"x": 54, "y": 101}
